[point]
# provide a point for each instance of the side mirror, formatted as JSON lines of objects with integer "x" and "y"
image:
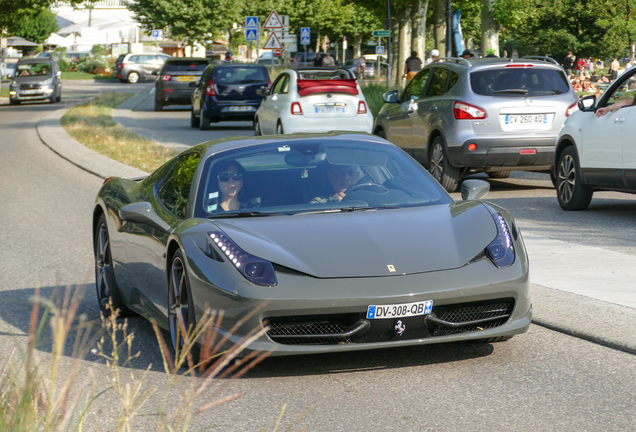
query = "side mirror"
{"x": 586, "y": 103}
{"x": 390, "y": 97}
{"x": 474, "y": 189}
{"x": 142, "y": 212}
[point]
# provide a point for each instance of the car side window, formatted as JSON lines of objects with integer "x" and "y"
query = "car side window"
{"x": 416, "y": 87}
{"x": 174, "y": 191}
{"x": 278, "y": 84}
{"x": 133, "y": 59}
{"x": 454, "y": 77}
{"x": 282, "y": 85}
{"x": 626, "y": 91}
{"x": 437, "y": 87}
{"x": 145, "y": 59}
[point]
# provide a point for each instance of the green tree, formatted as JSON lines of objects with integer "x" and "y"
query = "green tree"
{"x": 35, "y": 26}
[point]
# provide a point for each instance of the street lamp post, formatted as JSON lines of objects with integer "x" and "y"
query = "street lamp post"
{"x": 389, "y": 54}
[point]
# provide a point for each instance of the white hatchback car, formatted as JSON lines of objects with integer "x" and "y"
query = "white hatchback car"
{"x": 313, "y": 100}
{"x": 596, "y": 149}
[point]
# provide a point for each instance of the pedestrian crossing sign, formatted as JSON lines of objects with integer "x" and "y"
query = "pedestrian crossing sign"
{"x": 250, "y": 35}
{"x": 379, "y": 50}
{"x": 251, "y": 22}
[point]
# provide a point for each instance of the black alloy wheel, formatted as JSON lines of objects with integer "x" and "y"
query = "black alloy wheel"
{"x": 440, "y": 167}
{"x": 572, "y": 193}
{"x": 105, "y": 282}
{"x": 180, "y": 305}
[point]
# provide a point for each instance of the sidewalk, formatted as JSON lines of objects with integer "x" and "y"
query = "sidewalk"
{"x": 584, "y": 291}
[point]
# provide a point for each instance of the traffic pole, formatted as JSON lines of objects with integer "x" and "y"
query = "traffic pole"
{"x": 389, "y": 53}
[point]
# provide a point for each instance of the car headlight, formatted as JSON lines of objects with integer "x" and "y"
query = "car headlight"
{"x": 501, "y": 250}
{"x": 254, "y": 269}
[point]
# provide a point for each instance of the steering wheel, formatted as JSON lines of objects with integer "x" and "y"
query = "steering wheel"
{"x": 383, "y": 189}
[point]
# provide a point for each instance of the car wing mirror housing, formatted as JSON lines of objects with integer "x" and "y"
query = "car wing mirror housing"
{"x": 587, "y": 103}
{"x": 142, "y": 212}
{"x": 390, "y": 97}
{"x": 474, "y": 189}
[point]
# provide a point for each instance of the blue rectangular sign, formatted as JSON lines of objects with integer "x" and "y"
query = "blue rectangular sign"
{"x": 379, "y": 50}
{"x": 250, "y": 35}
{"x": 251, "y": 22}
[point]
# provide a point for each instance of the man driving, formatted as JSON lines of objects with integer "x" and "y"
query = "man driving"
{"x": 341, "y": 178}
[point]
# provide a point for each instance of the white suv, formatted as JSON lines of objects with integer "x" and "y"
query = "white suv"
{"x": 596, "y": 149}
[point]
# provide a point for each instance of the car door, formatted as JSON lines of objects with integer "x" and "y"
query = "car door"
{"x": 629, "y": 144}
{"x": 428, "y": 110}
{"x": 600, "y": 149}
{"x": 197, "y": 96}
{"x": 146, "y": 244}
{"x": 399, "y": 116}
{"x": 269, "y": 106}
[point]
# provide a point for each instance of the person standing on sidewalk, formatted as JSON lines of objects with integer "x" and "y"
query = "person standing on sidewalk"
{"x": 411, "y": 67}
{"x": 568, "y": 64}
{"x": 362, "y": 65}
{"x": 328, "y": 61}
{"x": 614, "y": 66}
{"x": 434, "y": 56}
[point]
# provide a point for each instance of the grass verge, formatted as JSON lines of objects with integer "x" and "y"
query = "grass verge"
{"x": 4, "y": 92}
{"x": 83, "y": 76}
{"x": 92, "y": 125}
{"x": 373, "y": 94}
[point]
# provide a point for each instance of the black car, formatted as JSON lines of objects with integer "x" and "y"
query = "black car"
{"x": 228, "y": 92}
{"x": 177, "y": 80}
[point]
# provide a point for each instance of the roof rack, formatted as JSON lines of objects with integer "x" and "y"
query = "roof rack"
{"x": 542, "y": 58}
{"x": 455, "y": 60}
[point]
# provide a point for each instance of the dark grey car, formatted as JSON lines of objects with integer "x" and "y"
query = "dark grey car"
{"x": 177, "y": 79}
{"x": 36, "y": 79}
{"x": 252, "y": 227}
{"x": 489, "y": 115}
{"x": 136, "y": 67}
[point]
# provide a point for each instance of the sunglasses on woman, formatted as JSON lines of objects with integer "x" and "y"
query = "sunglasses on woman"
{"x": 225, "y": 177}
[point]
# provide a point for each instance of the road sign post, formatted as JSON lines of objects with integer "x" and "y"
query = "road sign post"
{"x": 304, "y": 40}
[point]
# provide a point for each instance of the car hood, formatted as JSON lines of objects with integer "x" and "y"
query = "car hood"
{"x": 367, "y": 243}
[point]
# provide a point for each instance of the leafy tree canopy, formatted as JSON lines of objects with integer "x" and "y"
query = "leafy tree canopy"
{"x": 33, "y": 25}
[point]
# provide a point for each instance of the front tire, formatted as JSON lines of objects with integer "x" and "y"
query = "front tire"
{"x": 194, "y": 120}
{"x": 440, "y": 167}
{"x": 105, "y": 282}
{"x": 381, "y": 134}
{"x": 180, "y": 304}
{"x": 572, "y": 193}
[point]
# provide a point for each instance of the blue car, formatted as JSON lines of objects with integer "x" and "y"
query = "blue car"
{"x": 228, "y": 92}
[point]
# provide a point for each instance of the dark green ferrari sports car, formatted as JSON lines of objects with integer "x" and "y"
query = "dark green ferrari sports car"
{"x": 342, "y": 241}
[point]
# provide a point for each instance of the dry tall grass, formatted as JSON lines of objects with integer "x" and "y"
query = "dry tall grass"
{"x": 55, "y": 392}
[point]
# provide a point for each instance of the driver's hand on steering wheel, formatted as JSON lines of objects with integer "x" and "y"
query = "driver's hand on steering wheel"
{"x": 339, "y": 195}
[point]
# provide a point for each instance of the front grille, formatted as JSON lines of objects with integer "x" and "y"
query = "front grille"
{"x": 296, "y": 328}
{"x": 472, "y": 312}
{"x": 30, "y": 86}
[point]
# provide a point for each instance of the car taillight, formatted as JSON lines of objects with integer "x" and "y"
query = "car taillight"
{"x": 121, "y": 65}
{"x": 362, "y": 108}
{"x": 165, "y": 77}
{"x": 296, "y": 109}
{"x": 269, "y": 84}
{"x": 464, "y": 111}
{"x": 210, "y": 90}
{"x": 519, "y": 65}
{"x": 571, "y": 109}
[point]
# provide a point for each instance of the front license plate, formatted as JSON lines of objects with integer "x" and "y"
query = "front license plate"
{"x": 186, "y": 78}
{"x": 241, "y": 108}
{"x": 530, "y": 119}
{"x": 402, "y": 310}
{"x": 31, "y": 91}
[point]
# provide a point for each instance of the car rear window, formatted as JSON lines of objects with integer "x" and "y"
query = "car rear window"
{"x": 519, "y": 82}
{"x": 240, "y": 75}
{"x": 327, "y": 74}
{"x": 191, "y": 66}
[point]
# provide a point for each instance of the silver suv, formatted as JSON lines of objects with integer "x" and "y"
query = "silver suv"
{"x": 135, "y": 67}
{"x": 488, "y": 115}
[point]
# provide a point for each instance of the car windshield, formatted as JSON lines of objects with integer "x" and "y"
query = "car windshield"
{"x": 190, "y": 66}
{"x": 324, "y": 74}
{"x": 241, "y": 75}
{"x": 519, "y": 82}
{"x": 315, "y": 175}
{"x": 33, "y": 69}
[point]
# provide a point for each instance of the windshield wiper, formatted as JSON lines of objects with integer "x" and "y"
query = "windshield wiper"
{"x": 348, "y": 209}
{"x": 244, "y": 214}
{"x": 511, "y": 91}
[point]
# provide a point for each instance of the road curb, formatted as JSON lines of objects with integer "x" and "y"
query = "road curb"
{"x": 587, "y": 318}
{"x": 53, "y": 135}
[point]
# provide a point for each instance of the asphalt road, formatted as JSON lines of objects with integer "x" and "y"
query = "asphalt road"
{"x": 540, "y": 381}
